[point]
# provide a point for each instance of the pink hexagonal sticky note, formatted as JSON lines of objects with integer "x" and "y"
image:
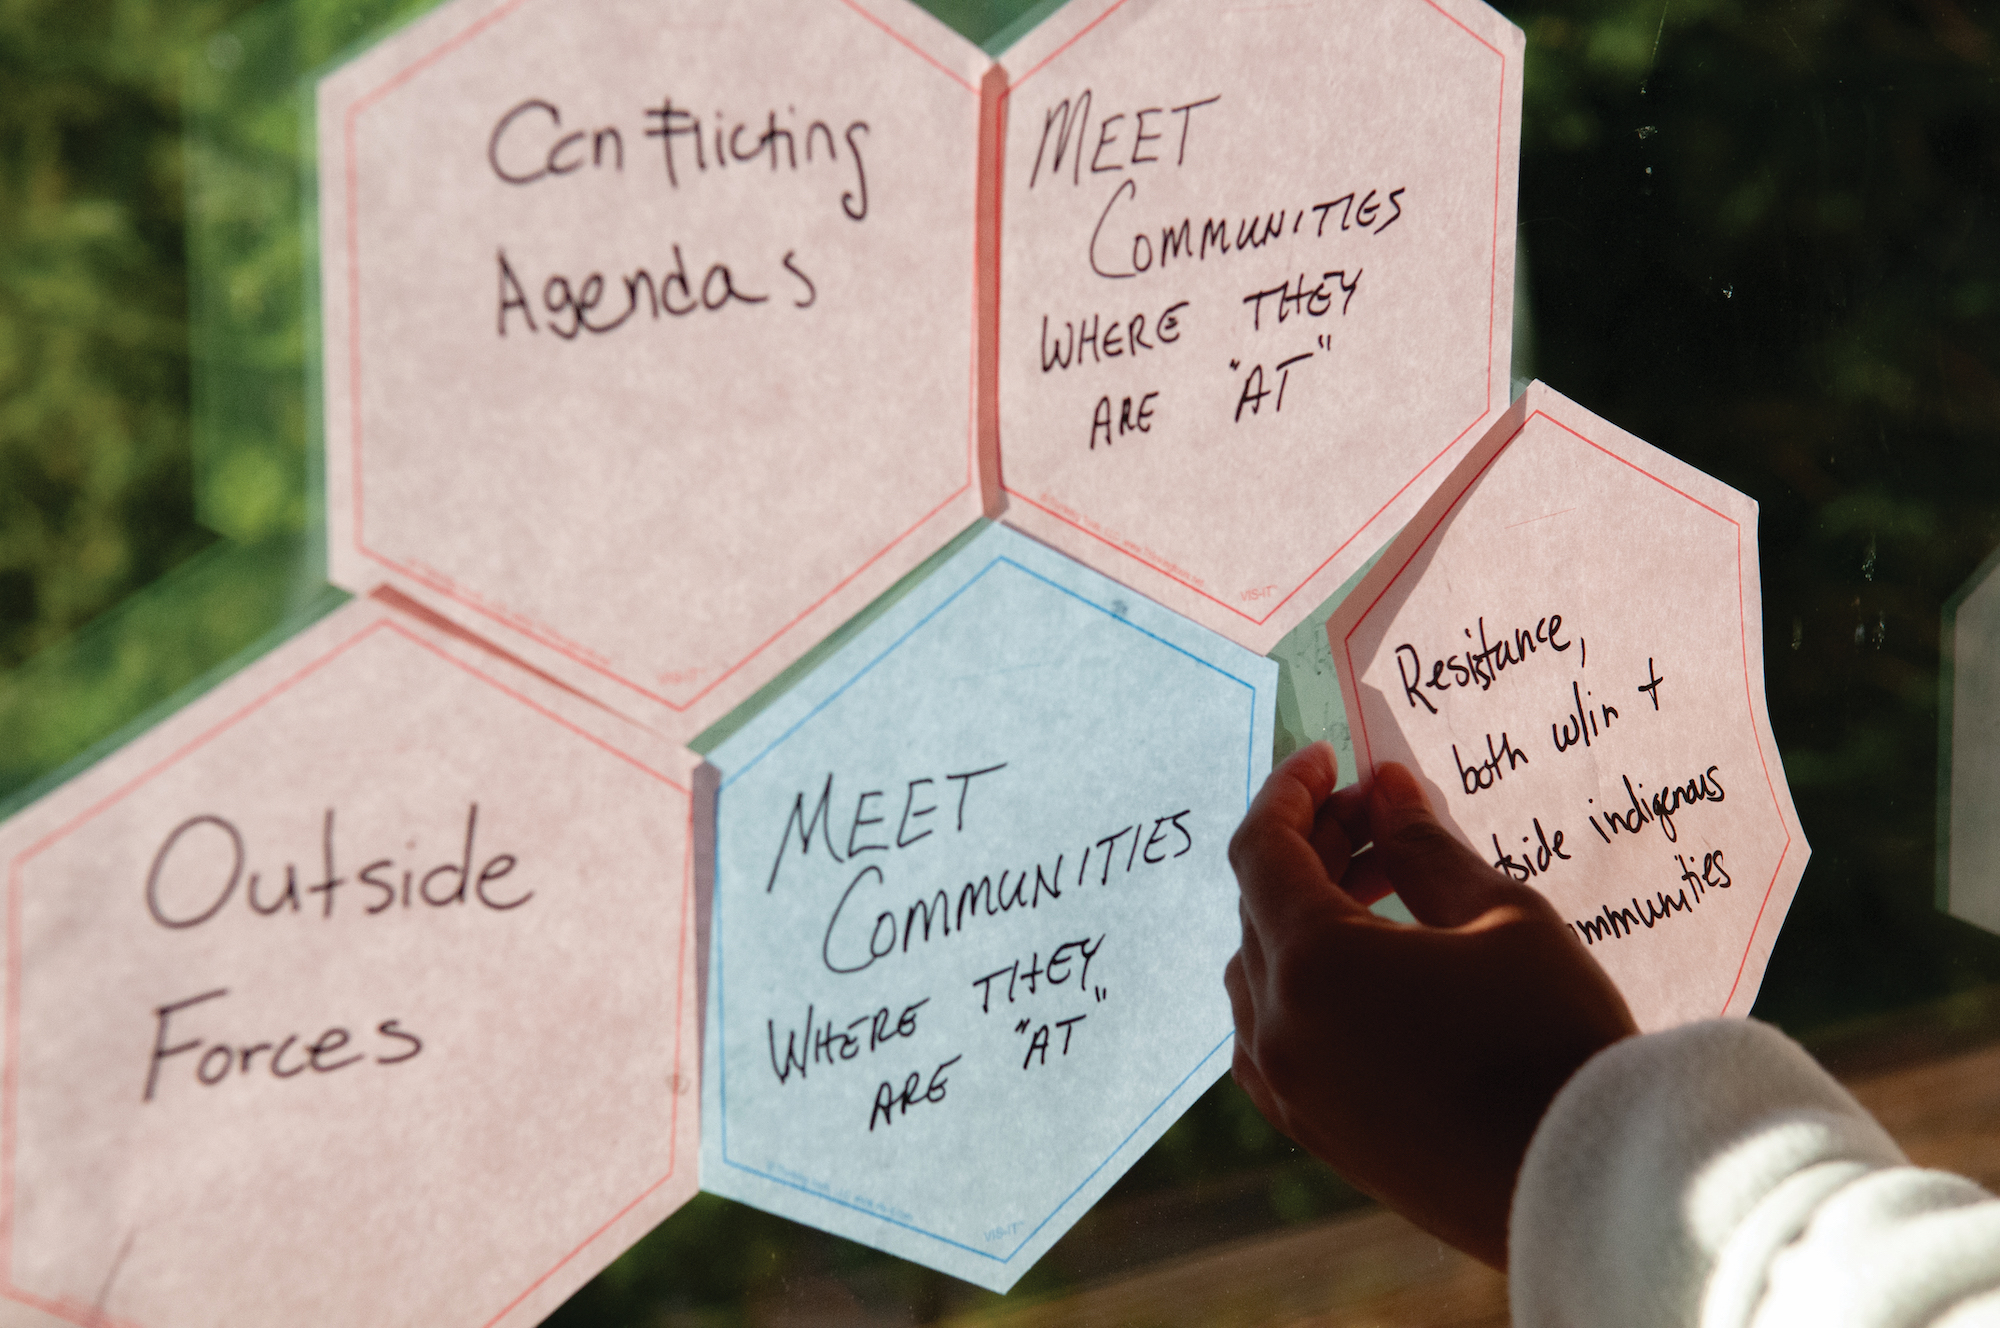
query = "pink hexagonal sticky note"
{"x": 649, "y": 327}
{"x": 1256, "y": 286}
{"x": 356, "y": 993}
{"x": 1566, "y": 645}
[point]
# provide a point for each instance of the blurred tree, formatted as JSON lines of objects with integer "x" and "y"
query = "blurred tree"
{"x": 94, "y": 456}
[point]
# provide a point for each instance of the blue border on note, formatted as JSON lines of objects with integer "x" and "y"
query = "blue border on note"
{"x": 721, "y": 1013}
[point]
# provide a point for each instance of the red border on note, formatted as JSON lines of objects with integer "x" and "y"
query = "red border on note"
{"x": 1488, "y": 412}
{"x": 91, "y": 1316}
{"x": 538, "y": 631}
{"x": 1366, "y": 752}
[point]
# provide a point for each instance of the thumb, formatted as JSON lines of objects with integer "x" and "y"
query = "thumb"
{"x": 1444, "y": 883}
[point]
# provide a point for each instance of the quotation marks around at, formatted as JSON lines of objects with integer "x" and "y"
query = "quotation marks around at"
{"x": 750, "y": 311}
{"x": 966, "y": 928}
{"x": 660, "y": 339}
{"x": 1240, "y": 247}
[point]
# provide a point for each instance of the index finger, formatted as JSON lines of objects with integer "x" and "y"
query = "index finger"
{"x": 1281, "y": 874}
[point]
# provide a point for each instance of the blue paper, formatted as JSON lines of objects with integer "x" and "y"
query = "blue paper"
{"x": 972, "y": 907}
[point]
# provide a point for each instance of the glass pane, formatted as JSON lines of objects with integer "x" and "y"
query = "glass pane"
{"x": 1761, "y": 239}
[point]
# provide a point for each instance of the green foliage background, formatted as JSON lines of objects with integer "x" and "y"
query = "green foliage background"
{"x": 1762, "y": 234}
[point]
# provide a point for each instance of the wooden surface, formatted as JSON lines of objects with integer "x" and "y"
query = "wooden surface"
{"x": 1375, "y": 1270}
{"x": 1209, "y": 1255}
{"x": 1945, "y": 1113}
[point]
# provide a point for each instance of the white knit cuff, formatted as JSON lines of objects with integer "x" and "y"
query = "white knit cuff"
{"x": 1653, "y": 1156}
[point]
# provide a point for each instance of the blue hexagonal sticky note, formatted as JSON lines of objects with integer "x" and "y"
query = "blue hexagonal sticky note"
{"x": 971, "y": 910}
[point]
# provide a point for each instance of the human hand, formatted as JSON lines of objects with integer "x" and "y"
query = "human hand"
{"x": 1414, "y": 1060}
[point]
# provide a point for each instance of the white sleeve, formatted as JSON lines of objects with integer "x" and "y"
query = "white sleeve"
{"x": 1715, "y": 1175}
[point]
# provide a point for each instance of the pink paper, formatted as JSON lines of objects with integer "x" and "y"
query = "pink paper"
{"x": 1256, "y": 262}
{"x": 360, "y": 992}
{"x": 1565, "y": 645}
{"x": 649, "y": 328}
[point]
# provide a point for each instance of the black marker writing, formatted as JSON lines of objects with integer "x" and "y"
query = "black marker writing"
{"x": 533, "y": 151}
{"x": 914, "y": 1092}
{"x": 591, "y": 303}
{"x": 177, "y": 901}
{"x": 826, "y": 1042}
{"x": 1071, "y": 957}
{"x": 1612, "y": 924}
{"x": 860, "y": 933}
{"x": 1180, "y": 242}
{"x": 214, "y": 1061}
{"x": 1480, "y": 668}
{"x": 1038, "y": 1043}
{"x": 1066, "y": 130}
{"x": 1481, "y": 775}
{"x": 1098, "y": 341}
{"x": 1658, "y": 808}
{"x": 1132, "y": 418}
{"x": 1583, "y": 723}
